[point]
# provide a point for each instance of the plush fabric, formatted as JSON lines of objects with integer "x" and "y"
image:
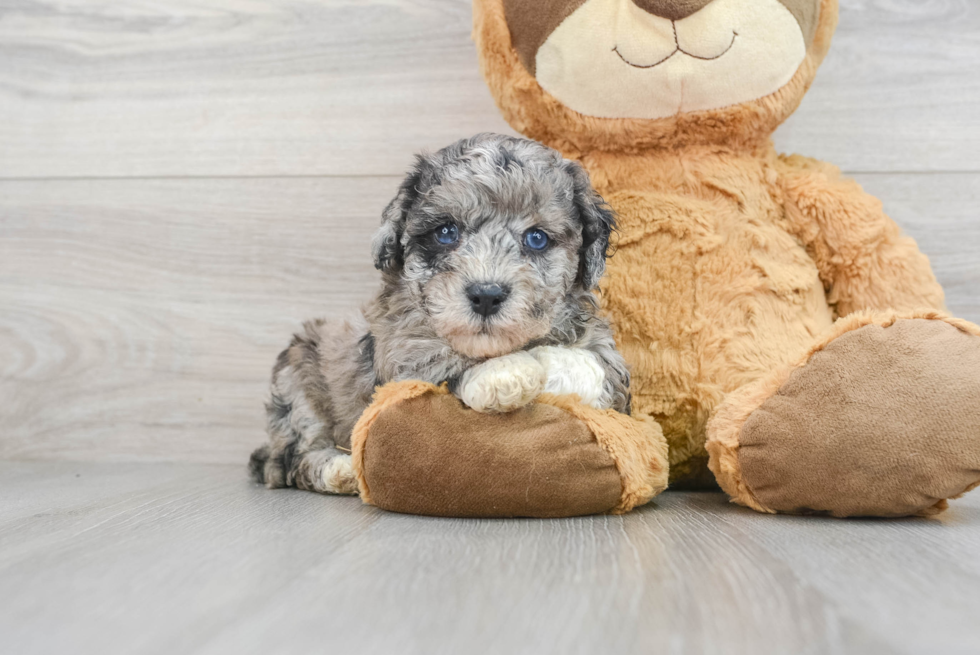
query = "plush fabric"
{"x": 636, "y": 446}
{"x": 868, "y": 397}
{"x": 535, "y": 21}
{"x": 657, "y": 72}
{"x": 851, "y": 402}
{"x": 531, "y": 111}
{"x": 734, "y": 264}
{"x": 418, "y": 450}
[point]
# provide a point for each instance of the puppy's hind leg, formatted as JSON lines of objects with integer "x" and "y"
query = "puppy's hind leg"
{"x": 301, "y": 451}
{"x": 326, "y": 471}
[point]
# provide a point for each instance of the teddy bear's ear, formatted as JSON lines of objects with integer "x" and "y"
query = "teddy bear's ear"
{"x": 598, "y": 222}
{"x": 387, "y": 243}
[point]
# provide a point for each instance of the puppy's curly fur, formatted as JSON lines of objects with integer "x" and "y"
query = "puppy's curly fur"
{"x": 467, "y": 297}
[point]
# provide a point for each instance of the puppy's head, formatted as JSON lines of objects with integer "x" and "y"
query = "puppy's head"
{"x": 492, "y": 236}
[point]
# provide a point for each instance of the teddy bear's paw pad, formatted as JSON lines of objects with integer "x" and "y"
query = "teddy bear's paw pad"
{"x": 883, "y": 421}
{"x": 430, "y": 455}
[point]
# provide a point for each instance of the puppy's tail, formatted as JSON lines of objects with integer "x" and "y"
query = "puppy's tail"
{"x": 256, "y": 463}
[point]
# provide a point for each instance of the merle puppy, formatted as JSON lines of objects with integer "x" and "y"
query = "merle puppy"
{"x": 489, "y": 254}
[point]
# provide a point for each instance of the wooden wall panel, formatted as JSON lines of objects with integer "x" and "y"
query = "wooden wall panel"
{"x": 122, "y": 88}
{"x": 141, "y": 317}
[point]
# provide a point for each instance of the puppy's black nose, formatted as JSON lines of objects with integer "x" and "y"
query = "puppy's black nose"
{"x": 486, "y": 299}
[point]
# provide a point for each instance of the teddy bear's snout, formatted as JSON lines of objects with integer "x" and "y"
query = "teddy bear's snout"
{"x": 672, "y": 9}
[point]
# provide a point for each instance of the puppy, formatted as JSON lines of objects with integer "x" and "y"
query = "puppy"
{"x": 489, "y": 254}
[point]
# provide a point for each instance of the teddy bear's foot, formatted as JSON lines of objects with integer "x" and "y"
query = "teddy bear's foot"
{"x": 418, "y": 449}
{"x": 881, "y": 418}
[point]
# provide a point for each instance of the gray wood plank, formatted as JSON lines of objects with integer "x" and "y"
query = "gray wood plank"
{"x": 879, "y": 570}
{"x": 202, "y": 561}
{"x": 161, "y": 570}
{"x": 297, "y": 87}
{"x": 660, "y": 580}
{"x": 897, "y": 91}
{"x": 35, "y": 491}
{"x": 234, "y": 87}
{"x": 141, "y": 317}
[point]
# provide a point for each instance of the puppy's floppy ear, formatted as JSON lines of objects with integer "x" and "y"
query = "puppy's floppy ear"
{"x": 598, "y": 222}
{"x": 387, "y": 243}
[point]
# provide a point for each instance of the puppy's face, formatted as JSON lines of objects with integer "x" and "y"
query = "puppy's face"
{"x": 489, "y": 236}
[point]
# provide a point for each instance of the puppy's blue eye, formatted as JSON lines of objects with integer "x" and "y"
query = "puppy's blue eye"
{"x": 447, "y": 234}
{"x": 535, "y": 239}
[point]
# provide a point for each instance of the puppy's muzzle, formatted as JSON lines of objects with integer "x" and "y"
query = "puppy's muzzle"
{"x": 486, "y": 299}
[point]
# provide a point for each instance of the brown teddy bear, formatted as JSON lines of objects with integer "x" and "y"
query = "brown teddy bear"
{"x": 780, "y": 329}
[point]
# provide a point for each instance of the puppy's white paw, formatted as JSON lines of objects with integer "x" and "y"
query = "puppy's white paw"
{"x": 338, "y": 475}
{"x": 502, "y": 384}
{"x": 573, "y": 371}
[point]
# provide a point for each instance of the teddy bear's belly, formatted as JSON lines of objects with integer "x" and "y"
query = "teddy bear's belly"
{"x": 703, "y": 303}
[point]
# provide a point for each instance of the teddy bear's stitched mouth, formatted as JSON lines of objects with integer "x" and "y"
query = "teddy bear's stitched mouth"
{"x": 677, "y": 49}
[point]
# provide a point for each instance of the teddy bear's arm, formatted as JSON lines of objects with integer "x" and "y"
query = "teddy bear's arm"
{"x": 863, "y": 258}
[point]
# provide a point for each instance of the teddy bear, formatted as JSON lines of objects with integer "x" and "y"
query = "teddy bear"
{"x": 786, "y": 341}
{"x": 790, "y": 341}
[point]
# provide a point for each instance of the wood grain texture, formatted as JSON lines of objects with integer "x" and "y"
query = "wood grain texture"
{"x": 306, "y": 87}
{"x": 924, "y": 572}
{"x": 897, "y": 91}
{"x": 196, "y": 559}
{"x": 141, "y": 317}
{"x": 234, "y": 87}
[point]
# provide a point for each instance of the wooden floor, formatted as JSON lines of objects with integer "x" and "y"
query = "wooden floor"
{"x": 183, "y": 181}
{"x": 182, "y": 558}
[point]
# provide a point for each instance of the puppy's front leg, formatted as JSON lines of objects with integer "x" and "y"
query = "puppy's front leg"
{"x": 502, "y": 384}
{"x": 573, "y": 371}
